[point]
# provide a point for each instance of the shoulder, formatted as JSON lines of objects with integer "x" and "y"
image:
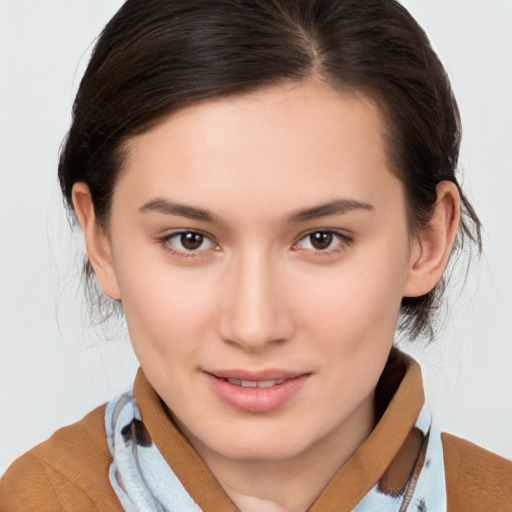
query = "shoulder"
{"x": 476, "y": 479}
{"x": 67, "y": 472}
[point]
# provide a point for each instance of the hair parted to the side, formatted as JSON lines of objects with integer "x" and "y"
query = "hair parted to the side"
{"x": 157, "y": 56}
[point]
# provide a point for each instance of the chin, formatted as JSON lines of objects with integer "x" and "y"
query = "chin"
{"x": 261, "y": 452}
{"x": 262, "y": 444}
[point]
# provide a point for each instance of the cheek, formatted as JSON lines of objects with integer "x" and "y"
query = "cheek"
{"x": 166, "y": 308}
{"x": 356, "y": 302}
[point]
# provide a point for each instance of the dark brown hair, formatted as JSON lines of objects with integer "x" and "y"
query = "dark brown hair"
{"x": 157, "y": 56}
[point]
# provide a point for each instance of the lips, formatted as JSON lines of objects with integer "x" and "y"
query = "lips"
{"x": 256, "y": 392}
{"x": 256, "y": 383}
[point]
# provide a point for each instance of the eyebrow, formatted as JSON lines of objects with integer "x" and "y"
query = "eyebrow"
{"x": 167, "y": 207}
{"x": 336, "y": 207}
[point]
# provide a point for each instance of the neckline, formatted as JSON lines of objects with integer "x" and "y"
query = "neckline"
{"x": 399, "y": 399}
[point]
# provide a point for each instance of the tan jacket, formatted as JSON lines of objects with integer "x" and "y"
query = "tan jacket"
{"x": 69, "y": 471}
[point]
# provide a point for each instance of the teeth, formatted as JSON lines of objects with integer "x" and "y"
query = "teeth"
{"x": 267, "y": 383}
{"x": 256, "y": 384}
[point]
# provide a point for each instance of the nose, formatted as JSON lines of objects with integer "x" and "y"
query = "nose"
{"x": 255, "y": 311}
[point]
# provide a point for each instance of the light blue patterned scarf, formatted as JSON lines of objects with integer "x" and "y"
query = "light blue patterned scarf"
{"x": 144, "y": 482}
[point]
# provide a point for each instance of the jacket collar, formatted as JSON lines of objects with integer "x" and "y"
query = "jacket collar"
{"x": 399, "y": 398}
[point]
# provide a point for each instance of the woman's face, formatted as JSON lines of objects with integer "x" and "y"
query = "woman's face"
{"x": 260, "y": 248}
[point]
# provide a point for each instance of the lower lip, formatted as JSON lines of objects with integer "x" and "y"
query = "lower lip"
{"x": 257, "y": 399}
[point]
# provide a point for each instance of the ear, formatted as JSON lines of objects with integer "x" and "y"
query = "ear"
{"x": 96, "y": 241}
{"x": 433, "y": 244}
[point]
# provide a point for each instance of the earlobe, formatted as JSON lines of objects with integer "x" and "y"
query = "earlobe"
{"x": 96, "y": 241}
{"x": 432, "y": 246}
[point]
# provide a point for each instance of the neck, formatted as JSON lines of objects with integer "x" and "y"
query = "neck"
{"x": 291, "y": 484}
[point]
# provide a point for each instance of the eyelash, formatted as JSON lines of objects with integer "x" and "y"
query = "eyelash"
{"x": 165, "y": 242}
{"x": 343, "y": 242}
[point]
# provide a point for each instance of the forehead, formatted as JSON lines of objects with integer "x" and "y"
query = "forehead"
{"x": 304, "y": 139}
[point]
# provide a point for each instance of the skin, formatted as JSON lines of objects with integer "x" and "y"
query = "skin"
{"x": 257, "y": 293}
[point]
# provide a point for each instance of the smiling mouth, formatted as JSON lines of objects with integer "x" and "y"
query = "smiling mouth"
{"x": 256, "y": 392}
{"x": 255, "y": 383}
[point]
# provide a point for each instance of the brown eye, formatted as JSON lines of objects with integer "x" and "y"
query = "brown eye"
{"x": 191, "y": 241}
{"x": 187, "y": 242}
{"x": 321, "y": 240}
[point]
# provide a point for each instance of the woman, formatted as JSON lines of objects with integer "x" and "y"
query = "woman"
{"x": 267, "y": 188}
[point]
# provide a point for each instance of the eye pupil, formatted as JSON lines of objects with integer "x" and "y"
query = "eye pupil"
{"x": 191, "y": 241}
{"x": 321, "y": 240}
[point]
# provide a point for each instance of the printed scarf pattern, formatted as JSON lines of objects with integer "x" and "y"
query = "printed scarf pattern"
{"x": 144, "y": 482}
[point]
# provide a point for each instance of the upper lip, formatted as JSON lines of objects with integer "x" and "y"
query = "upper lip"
{"x": 257, "y": 375}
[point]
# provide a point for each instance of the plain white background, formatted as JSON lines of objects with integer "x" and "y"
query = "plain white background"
{"x": 54, "y": 368}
